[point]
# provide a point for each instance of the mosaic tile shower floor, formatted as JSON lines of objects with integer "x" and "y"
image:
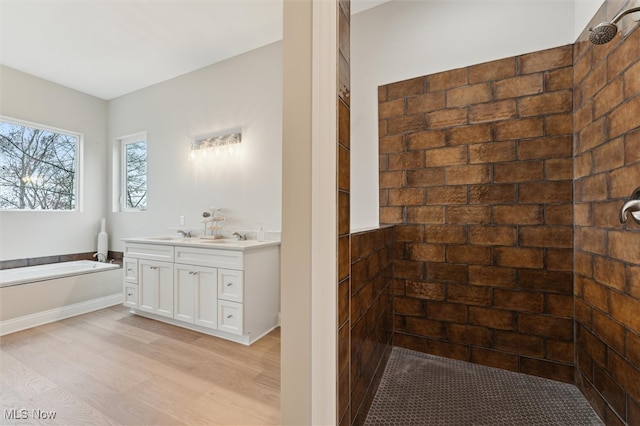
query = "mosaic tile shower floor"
{"x": 422, "y": 389}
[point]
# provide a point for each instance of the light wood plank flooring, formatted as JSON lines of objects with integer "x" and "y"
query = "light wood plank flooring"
{"x": 110, "y": 367}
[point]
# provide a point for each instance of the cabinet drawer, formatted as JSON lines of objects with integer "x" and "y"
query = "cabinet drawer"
{"x": 209, "y": 257}
{"x": 230, "y": 285}
{"x": 230, "y": 317}
{"x": 149, "y": 252}
{"x": 131, "y": 295}
{"x": 130, "y": 270}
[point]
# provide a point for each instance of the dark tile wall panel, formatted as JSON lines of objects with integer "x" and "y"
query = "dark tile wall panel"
{"x": 476, "y": 174}
{"x": 607, "y": 268}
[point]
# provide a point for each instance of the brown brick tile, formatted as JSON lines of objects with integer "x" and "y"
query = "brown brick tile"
{"x": 633, "y": 348}
{"x": 394, "y": 108}
{"x": 493, "y": 111}
{"x": 609, "y": 331}
{"x": 559, "y": 350}
{"x": 408, "y": 306}
{"x": 492, "y": 318}
{"x": 550, "y": 147}
{"x": 344, "y": 170}
{"x": 626, "y": 374}
{"x": 391, "y": 215}
{"x": 625, "y": 310}
{"x": 583, "y": 313}
{"x": 469, "y": 134}
{"x": 594, "y": 134}
{"x": 426, "y": 139}
{"x": 424, "y": 327}
{"x": 496, "y": 359}
{"x": 520, "y": 171}
{"x": 450, "y": 156}
{"x": 492, "y": 276}
{"x": 623, "y": 181}
{"x": 467, "y": 254}
{"x": 546, "y": 103}
{"x": 625, "y": 117}
{"x": 494, "y": 70}
{"x": 466, "y": 175}
{"x": 546, "y": 59}
{"x": 546, "y": 326}
{"x": 518, "y": 86}
{"x": 383, "y": 162}
{"x": 492, "y": 194}
{"x": 414, "y": 86}
{"x": 558, "y": 124}
{"x": 408, "y": 269}
{"x": 468, "y": 214}
{"x": 406, "y": 196}
{"x": 583, "y": 116}
{"x": 558, "y": 168}
{"x": 447, "y": 79}
{"x": 343, "y": 213}
{"x": 492, "y": 152}
{"x": 624, "y": 246}
{"x": 608, "y": 98}
{"x": 519, "y": 343}
{"x": 492, "y": 235}
{"x": 426, "y": 103}
{"x": 468, "y": 95}
{"x": 447, "y": 195}
{"x": 559, "y": 259}
{"x": 594, "y": 294}
{"x": 448, "y": 350}
{"x": 548, "y": 369}
{"x": 582, "y": 165}
{"x": 426, "y": 214}
{"x": 426, "y": 177}
{"x": 382, "y": 93}
{"x": 449, "y": 234}
{"x": 559, "y": 304}
{"x": 592, "y": 188}
{"x": 547, "y": 236}
{"x": 344, "y": 124}
{"x": 518, "y": 300}
{"x": 516, "y": 257}
{"x": 614, "y": 394}
{"x": 406, "y": 160}
{"x": 390, "y": 144}
{"x": 543, "y": 280}
{"x": 426, "y": 252}
{"x": 524, "y": 214}
{"x": 447, "y": 118}
{"x": 633, "y": 280}
{"x": 469, "y": 295}
{"x": 632, "y": 80}
{"x": 632, "y": 147}
{"x": 609, "y": 272}
{"x": 406, "y": 124}
{"x": 343, "y": 257}
{"x": 558, "y": 79}
{"x": 452, "y": 312}
{"x": 477, "y": 336}
{"x": 519, "y": 128}
{"x": 594, "y": 81}
{"x": 415, "y": 343}
{"x": 446, "y": 272}
{"x": 618, "y": 59}
{"x": 425, "y": 290}
{"x": 394, "y": 179}
{"x": 545, "y": 192}
{"x": 409, "y": 233}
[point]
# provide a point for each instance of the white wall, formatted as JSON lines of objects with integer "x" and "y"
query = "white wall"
{"x": 405, "y": 39}
{"x": 34, "y": 234}
{"x": 244, "y": 91}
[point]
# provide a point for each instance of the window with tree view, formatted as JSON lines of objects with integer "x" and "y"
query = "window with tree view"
{"x": 135, "y": 173}
{"x": 38, "y": 167}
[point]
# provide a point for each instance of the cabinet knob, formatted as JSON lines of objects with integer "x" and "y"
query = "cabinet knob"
{"x": 229, "y": 284}
{"x": 129, "y": 294}
{"x": 129, "y": 270}
{"x": 229, "y": 316}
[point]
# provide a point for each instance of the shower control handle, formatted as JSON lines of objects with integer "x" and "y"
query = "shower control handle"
{"x": 632, "y": 206}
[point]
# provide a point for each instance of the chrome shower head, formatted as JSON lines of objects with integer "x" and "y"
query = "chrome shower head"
{"x": 603, "y": 33}
{"x": 606, "y": 31}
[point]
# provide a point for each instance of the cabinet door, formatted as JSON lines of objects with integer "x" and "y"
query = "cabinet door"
{"x": 184, "y": 293}
{"x": 206, "y": 314}
{"x": 156, "y": 287}
{"x": 165, "y": 289}
{"x": 230, "y": 285}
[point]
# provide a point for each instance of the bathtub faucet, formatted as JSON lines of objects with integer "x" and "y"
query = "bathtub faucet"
{"x": 101, "y": 257}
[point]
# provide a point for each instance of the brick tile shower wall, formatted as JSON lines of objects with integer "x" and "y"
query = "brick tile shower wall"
{"x": 476, "y": 173}
{"x": 607, "y": 268}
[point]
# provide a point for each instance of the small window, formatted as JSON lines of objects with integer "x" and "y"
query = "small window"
{"x": 134, "y": 168}
{"x": 39, "y": 167}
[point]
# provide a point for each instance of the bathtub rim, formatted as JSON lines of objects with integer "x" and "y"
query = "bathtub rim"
{"x": 102, "y": 267}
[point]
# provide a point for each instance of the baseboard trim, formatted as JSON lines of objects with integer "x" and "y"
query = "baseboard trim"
{"x": 57, "y": 314}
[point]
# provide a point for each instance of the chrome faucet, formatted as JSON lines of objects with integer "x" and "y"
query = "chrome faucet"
{"x": 239, "y": 237}
{"x": 101, "y": 257}
{"x": 185, "y": 234}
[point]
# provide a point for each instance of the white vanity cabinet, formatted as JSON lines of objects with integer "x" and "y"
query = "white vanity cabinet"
{"x": 229, "y": 290}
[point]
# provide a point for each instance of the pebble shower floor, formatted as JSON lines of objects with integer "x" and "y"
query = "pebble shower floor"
{"x": 423, "y": 389}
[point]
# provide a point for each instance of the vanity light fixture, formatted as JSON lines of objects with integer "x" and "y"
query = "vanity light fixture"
{"x": 216, "y": 145}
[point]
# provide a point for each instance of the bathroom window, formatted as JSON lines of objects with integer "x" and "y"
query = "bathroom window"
{"x": 134, "y": 168}
{"x": 39, "y": 167}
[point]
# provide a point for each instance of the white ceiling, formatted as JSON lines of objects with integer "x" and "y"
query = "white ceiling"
{"x": 108, "y": 48}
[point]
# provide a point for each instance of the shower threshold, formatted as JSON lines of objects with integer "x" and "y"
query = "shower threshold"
{"x": 422, "y": 389}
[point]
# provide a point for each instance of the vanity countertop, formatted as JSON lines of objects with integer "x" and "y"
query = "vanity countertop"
{"x": 222, "y": 243}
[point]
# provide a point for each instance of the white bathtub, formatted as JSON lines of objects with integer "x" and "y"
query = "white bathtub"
{"x": 28, "y": 274}
{"x": 36, "y": 295}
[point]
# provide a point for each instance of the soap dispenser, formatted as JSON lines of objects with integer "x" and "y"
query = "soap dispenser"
{"x": 260, "y": 236}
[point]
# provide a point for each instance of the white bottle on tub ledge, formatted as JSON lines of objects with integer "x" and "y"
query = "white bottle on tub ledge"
{"x": 260, "y": 233}
{"x": 103, "y": 238}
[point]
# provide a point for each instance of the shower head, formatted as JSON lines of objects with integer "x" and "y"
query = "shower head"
{"x": 604, "y": 32}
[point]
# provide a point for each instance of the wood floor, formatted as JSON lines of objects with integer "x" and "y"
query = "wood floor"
{"x": 110, "y": 367}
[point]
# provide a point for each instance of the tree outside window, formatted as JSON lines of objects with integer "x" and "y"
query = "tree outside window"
{"x": 38, "y": 167}
{"x": 135, "y": 174}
